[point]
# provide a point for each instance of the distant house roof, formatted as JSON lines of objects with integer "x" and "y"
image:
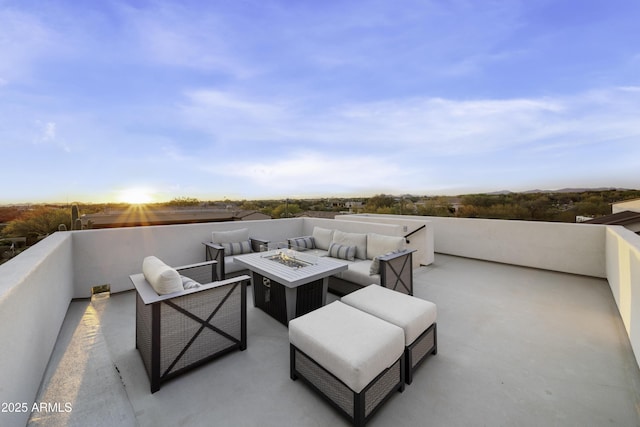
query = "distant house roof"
{"x": 250, "y": 216}
{"x": 318, "y": 214}
{"x": 140, "y": 217}
{"x": 628, "y": 219}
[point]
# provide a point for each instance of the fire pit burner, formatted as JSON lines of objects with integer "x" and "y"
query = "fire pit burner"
{"x": 288, "y": 259}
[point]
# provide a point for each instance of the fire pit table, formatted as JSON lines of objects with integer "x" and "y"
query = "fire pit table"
{"x": 288, "y": 283}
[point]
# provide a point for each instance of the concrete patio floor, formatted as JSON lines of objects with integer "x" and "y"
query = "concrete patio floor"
{"x": 516, "y": 346}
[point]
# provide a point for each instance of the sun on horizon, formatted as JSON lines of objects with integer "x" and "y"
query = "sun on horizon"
{"x": 135, "y": 196}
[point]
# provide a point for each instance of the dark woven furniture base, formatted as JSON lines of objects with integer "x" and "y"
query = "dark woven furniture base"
{"x": 416, "y": 352}
{"x": 357, "y": 407}
{"x": 270, "y": 297}
{"x": 341, "y": 287}
{"x": 178, "y": 334}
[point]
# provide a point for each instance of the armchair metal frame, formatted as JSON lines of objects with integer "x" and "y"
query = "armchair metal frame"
{"x": 396, "y": 271}
{"x": 215, "y": 252}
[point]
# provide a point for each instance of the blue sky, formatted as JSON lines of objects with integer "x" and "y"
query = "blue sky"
{"x": 107, "y": 100}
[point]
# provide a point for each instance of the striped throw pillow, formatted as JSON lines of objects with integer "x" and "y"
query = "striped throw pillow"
{"x": 302, "y": 243}
{"x": 337, "y": 250}
{"x": 236, "y": 248}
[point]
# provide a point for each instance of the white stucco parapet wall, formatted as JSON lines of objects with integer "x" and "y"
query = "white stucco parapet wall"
{"x": 109, "y": 256}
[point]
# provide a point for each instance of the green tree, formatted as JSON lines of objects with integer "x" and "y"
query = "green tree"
{"x": 8, "y": 213}
{"x": 436, "y": 206}
{"x": 540, "y": 208}
{"x": 468, "y": 211}
{"x": 478, "y": 200}
{"x": 285, "y": 210}
{"x": 183, "y": 202}
{"x": 39, "y": 221}
{"x": 380, "y": 202}
{"x": 390, "y": 210}
{"x": 250, "y": 205}
{"x": 592, "y": 207}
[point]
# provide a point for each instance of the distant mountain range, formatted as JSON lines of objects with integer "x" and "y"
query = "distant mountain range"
{"x": 562, "y": 190}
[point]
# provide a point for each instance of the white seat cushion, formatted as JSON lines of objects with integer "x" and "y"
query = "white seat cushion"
{"x": 351, "y": 344}
{"x": 413, "y": 315}
{"x": 358, "y": 273}
{"x": 232, "y": 267}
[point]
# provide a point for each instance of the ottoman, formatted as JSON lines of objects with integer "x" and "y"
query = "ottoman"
{"x": 351, "y": 358}
{"x": 415, "y": 316}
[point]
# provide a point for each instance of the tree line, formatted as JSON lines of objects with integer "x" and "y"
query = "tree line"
{"x": 562, "y": 207}
{"x": 41, "y": 220}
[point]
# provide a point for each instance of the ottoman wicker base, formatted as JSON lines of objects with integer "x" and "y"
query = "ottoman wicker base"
{"x": 416, "y": 352}
{"x": 357, "y": 407}
{"x": 352, "y": 359}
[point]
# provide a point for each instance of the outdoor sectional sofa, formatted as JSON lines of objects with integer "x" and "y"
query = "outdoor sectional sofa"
{"x": 375, "y": 256}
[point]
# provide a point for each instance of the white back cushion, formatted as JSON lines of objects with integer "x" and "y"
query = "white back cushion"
{"x": 322, "y": 237}
{"x": 162, "y": 278}
{"x": 233, "y": 236}
{"x": 378, "y": 244}
{"x": 359, "y": 240}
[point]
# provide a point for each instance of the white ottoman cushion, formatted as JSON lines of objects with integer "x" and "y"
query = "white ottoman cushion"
{"x": 351, "y": 344}
{"x": 413, "y": 315}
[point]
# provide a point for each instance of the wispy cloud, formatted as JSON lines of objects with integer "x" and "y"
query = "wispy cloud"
{"x": 322, "y": 173}
{"x": 175, "y": 35}
{"x": 432, "y": 126}
{"x": 24, "y": 38}
{"x": 47, "y": 134}
{"x": 319, "y": 95}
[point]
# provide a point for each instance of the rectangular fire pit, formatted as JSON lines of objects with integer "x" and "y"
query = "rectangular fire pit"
{"x": 289, "y": 283}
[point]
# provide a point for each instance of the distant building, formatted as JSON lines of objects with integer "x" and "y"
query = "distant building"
{"x": 625, "y": 213}
{"x": 627, "y": 205}
{"x": 354, "y": 204}
{"x": 582, "y": 218}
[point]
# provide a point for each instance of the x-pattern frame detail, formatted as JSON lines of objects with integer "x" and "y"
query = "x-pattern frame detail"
{"x": 203, "y": 324}
{"x": 397, "y": 275}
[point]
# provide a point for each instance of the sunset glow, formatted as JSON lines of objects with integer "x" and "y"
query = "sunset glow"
{"x": 135, "y": 196}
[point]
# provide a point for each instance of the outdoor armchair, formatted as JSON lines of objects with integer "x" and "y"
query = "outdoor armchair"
{"x": 185, "y": 329}
{"x": 224, "y": 245}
